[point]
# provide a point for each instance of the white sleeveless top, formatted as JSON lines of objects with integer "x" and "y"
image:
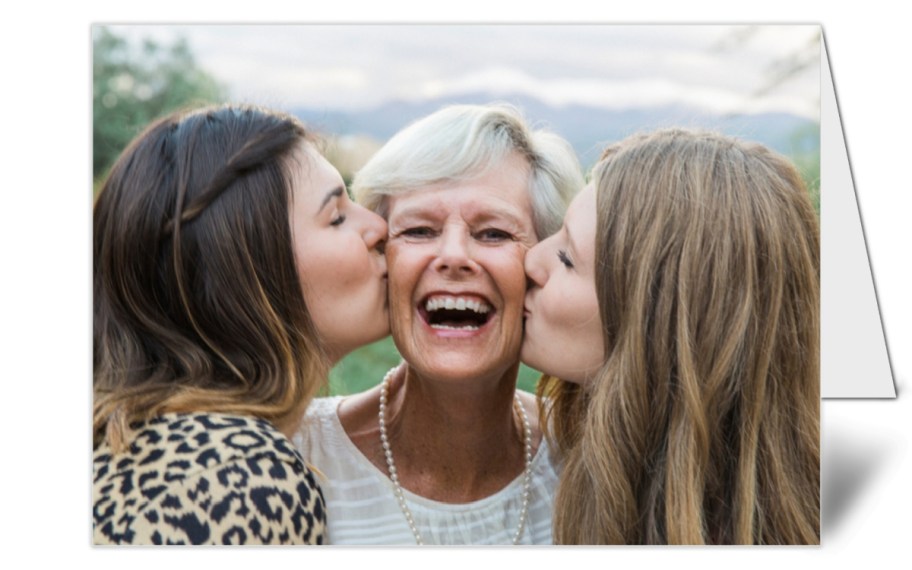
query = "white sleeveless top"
{"x": 361, "y": 506}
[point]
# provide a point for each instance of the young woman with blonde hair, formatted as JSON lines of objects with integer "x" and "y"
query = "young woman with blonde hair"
{"x": 677, "y": 316}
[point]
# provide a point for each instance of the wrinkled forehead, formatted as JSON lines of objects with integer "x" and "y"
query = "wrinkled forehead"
{"x": 441, "y": 205}
{"x": 489, "y": 197}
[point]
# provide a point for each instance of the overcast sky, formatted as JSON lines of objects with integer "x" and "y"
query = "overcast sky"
{"x": 717, "y": 68}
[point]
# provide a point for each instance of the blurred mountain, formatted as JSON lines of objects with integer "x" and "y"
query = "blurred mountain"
{"x": 588, "y": 129}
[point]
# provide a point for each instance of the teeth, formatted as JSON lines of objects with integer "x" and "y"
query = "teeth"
{"x": 449, "y": 328}
{"x": 458, "y": 303}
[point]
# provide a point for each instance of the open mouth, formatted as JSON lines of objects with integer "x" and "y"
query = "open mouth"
{"x": 456, "y": 312}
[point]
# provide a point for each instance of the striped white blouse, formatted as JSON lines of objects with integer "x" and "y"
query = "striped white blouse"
{"x": 362, "y": 509}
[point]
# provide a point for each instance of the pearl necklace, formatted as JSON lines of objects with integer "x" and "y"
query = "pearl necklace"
{"x": 400, "y": 496}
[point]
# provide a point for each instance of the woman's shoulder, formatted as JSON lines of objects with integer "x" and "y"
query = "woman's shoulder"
{"x": 205, "y": 479}
{"x": 200, "y": 440}
{"x": 321, "y": 409}
{"x": 326, "y": 437}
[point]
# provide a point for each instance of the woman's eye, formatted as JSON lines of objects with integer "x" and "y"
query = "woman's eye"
{"x": 337, "y": 221}
{"x": 494, "y": 235}
{"x": 417, "y": 232}
{"x": 564, "y": 258}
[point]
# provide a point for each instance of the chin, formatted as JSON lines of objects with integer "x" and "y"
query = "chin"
{"x": 531, "y": 357}
{"x": 534, "y": 361}
{"x": 378, "y": 329}
{"x": 463, "y": 369}
{"x": 527, "y": 357}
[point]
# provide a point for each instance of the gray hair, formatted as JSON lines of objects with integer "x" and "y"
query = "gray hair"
{"x": 461, "y": 142}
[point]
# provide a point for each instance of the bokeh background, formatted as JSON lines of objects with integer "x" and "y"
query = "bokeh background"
{"x": 359, "y": 84}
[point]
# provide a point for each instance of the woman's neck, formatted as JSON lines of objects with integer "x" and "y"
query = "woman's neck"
{"x": 452, "y": 443}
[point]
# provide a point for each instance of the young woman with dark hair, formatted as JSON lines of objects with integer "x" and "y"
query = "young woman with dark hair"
{"x": 226, "y": 255}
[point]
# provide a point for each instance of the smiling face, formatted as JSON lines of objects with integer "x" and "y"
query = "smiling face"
{"x": 563, "y": 328}
{"x": 456, "y": 276}
{"x": 341, "y": 270}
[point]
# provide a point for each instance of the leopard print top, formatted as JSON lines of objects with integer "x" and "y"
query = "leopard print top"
{"x": 205, "y": 478}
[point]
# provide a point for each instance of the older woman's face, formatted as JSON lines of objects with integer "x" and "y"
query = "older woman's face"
{"x": 456, "y": 280}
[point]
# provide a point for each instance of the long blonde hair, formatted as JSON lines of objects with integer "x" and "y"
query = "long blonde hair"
{"x": 702, "y": 426}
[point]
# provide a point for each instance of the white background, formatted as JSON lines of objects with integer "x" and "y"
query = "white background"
{"x": 46, "y": 306}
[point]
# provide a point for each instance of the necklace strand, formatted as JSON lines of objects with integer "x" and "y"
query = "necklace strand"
{"x": 394, "y": 476}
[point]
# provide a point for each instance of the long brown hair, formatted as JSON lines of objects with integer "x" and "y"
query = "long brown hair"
{"x": 702, "y": 426}
{"x": 198, "y": 305}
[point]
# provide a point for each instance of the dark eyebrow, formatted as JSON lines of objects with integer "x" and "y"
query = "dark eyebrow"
{"x": 334, "y": 193}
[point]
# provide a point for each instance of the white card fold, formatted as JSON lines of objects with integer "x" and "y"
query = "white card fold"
{"x": 854, "y": 359}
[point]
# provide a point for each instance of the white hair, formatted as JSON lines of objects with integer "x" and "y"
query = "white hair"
{"x": 461, "y": 142}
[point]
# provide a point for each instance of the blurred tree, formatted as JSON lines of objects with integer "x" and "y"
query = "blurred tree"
{"x": 779, "y": 70}
{"x": 133, "y": 85}
{"x": 804, "y": 141}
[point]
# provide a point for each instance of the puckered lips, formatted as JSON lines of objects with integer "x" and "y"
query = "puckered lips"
{"x": 456, "y": 315}
{"x": 527, "y": 302}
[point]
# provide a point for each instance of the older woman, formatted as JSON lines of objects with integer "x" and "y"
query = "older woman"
{"x": 444, "y": 450}
{"x": 677, "y": 312}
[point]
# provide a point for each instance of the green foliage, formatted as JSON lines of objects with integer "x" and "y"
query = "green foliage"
{"x": 365, "y": 367}
{"x": 528, "y": 378}
{"x": 133, "y": 85}
{"x": 805, "y": 154}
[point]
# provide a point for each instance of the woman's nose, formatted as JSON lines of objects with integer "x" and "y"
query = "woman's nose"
{"x": 534, "y": 265}
{"x": 455, "y": 254}
{"x": 374, "y": 230}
